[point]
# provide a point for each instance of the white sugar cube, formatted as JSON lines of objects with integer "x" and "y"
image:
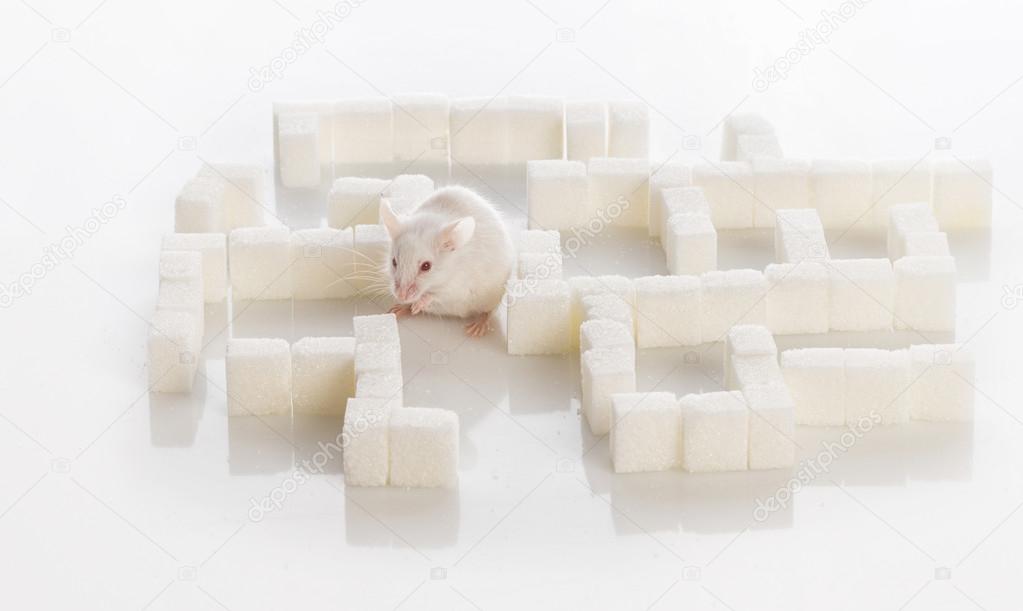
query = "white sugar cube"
{"x": 904, "y": 219}
{"x": 354, "y": 201}
{"x": 628, "y": 129}
{"x": 540, "y": 266}
{"x": 421, "y": 123}
{"x": 298, "y": 150}
{"x": 377, "y": 357}
{"x": 942, "y": 388}
{"x": 181, "y": 285}
{"x": 323, "y": 263}
{"x": 539, "y": 317}
{"x": 323, "y": 110}
{"x": 898, "y": 181}
{"x": 840, "y": 190}
{"x": 679, "y": 200}
{"x": 862, "y": 294}
{"x": 730, "y": 298}
{"x": 757, "y": 146}
{"x": 605, "y": 333}
{"x": 260, "y": 260}
{"x": 797, "y": 298}
{"x": 815, "y": 378}
{"x": 646, "y": 432}
{"x": 799, "y": 236}
{"x": 372, "y": 245}
{"x": 752, "y": 370}
{"x": 365, "y": 434}
{"x": 212, "y": 247}
{"x": 423, "y": 447}
{"x": 925, "y": 293}
{"x": 961, "y": 193}
{"x": 173, "y": 351}
{"x": 246, "y": 192}
{"x": 380, "y": 385}
{"x": 363, "y": 131}
{"x": 608, "y": 307}
{"x": 877, "y": 385}
{"x": 667, "y": 311}
{"x": 556, "y": 194}
{"x": 538, "y": 241}
{"x": 739, "y": 124}
{"x": 258, "y": 376}
{"x": 479, "y": 131}
{"x": 671, "y": 175}
{"x": 583, "y": 286}
{"x": 323, "y": 374}
{"x": 536, "y": 128}
{"x": 406, "y": 191}
{"x": 779, "y": 184}
{"x": 690, "y": 244}
{"x": 199, "y": 207}
{"x": 747, "y": 340}
{"x": 585, "y": 130}
{"x": 715, "y": 435}
{"x": 619, "y": 190}
{"x": 772, "y": 427}
{"x": 376, "y": 328}
{"x": 926, "y": 244}
{"x": 728, "y": 186}
{"x": 605, "y": 372}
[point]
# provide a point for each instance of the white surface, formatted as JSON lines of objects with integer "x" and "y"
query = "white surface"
{"x": 112, "y": 498}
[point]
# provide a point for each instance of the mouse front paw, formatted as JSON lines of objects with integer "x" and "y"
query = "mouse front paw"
{"x": 421, "y": 304}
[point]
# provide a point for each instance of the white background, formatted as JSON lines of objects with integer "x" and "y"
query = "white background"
{"x": 116, "y": 499}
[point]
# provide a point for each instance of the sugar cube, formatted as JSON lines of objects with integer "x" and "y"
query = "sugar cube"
{"x": 670, "y": 175}
{"x": 387, "y": 386}
{"x": 583, "y": 286}
{"x": 747, "y": 340}
{"x": 376, "y": 328}
{"x": 752, "y": 370}
{"x": 925, "y": 293}
{"x": 323, "y": 110}
{"x": 363, "y": 131}
{"x": 372, "y": 245}
{"x": 540, "y": 266}
{"x": 377, "y": 357}
{"x": 628, "y": 129}
{"x": 258, "y": 376}
{"x": 904, "y": 219}
{"x": 797, "y": 298}
{"x": 715, "y": 432}
{"x": 199, "y": 207}
{"x": 779, "y": 184}
{"x": 538, "y": 241}
{"x": 756, "y": 146}
{"x": 539, "y": 317}
{"x": 799, "y": 236}
{"x": 556, "y": 194}
{"x": 298, "y": 154}
{"x": 942, "y": 376}
{"x": 772, "y": 426}
{"x": 815, "y": 378}
{"x": 536, "y": 128}
{"x": 898, "y": 181}
{"x": 421, "y": 123}
{"x": 862, "y": 294}
{"x": 679, "y": 200}
{"x": 181, "y": 285}
{"x": 738, "y": 124}
{"x": 840, "y": 190}
{"x": 585, "y": 130}
{"x": 730, "y": 298}
{"x": 728, "y": 186}
{"x": 690, "y": 244}
{"x": 323, "y": 374}
{"x": 423, "y": 447}
{"x": 354, "y": 201}
{"x": 619, "y": 190}
{"x": 646, "y": 432}
{"x": 173, "y": 351}
{"x": 212, "y": 247}
{"x": 605, "y": 372}
{"x": 608, "y": 307}
{"x": 605, "y": 333}
{"x": 406, "y": 191}
{"x": 926, "y": 244}
{"x": 260, "y": 260}
{"x": 961, "y": 192}
{"x": 877, "y": 385}
{"x": 479, "y": 131}
{"x": 246, "y": 192}
{"x": 323, "y": 263}
{"x": 667, "y": 311}
{"x": 365, "y": 433}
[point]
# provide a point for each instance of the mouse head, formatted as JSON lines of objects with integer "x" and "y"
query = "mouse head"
{"x": 421, "y": 248}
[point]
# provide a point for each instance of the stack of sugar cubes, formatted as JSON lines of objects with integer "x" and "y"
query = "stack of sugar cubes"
{"x": 386, "y": 443}
{"x": 538, "y": 300}
{"x": 925, "y": 271}
{"x": 607, "y": 346}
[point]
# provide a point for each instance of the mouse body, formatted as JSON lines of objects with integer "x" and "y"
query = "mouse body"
{"x": 450, "y": 256}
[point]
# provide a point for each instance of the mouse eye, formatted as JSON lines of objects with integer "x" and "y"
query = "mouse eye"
{"x": 425, "y": 267}
{"x": 394, "y": 263}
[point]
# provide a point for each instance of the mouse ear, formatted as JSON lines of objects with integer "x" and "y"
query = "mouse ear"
{"x": 457, "y": 233}
{"x": 391, "y": 221}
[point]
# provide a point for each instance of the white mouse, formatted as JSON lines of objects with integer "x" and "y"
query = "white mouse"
{"x": 450, "y": 256}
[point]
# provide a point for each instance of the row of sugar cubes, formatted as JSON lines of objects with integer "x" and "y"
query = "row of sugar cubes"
{"x": 313, "y": 138}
